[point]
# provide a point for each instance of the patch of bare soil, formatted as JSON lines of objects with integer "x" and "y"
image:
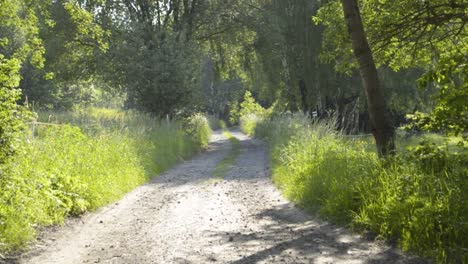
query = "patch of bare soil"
{"x": 184, "y": 216}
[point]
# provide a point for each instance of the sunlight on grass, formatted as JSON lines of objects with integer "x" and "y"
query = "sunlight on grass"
{"x": 417, "y": 198}
{"x": 223, "y": 167}
{"x": 80, "y": 161}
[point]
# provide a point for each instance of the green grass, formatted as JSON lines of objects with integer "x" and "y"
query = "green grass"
{"x": 404, "y": 141}
{"x": 248, "y": 123}
{"x": 418, "y": 198}
{"x": 450, "y": 142}
{"x": 223, "y": 167}
{"x": 84, "y": 160}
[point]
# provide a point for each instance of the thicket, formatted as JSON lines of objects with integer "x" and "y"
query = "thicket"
{"x": 80, "y": 161}
{"x": 417, "y": 198}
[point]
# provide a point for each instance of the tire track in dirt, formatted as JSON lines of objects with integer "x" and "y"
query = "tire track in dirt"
{"x": 186, "y": 216}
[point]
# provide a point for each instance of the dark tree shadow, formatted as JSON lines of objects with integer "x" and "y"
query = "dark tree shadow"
{"x": 300, "y": 238}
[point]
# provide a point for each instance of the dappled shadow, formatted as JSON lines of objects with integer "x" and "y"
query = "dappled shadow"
{"x": 288, "y": 237}
{"x": 199, "y": 169}
{"x": 196, "y": 169}
{"x": 9, "y": 260}
{"x": 276, "y": 231}
{"x": 390, "y": 256}
{"x": 185, "y": 216}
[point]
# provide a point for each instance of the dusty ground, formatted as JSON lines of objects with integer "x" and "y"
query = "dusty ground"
{"x": 184, "y": 216}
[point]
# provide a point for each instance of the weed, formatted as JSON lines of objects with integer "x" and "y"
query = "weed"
{"x": 84, "y": 160}
{"x": 419, "y": 198}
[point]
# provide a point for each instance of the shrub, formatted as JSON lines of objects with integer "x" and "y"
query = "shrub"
{"x": 198, "y": 127}
{"x": 251, "y": 113}
{"x": 12, "y": 115}
{"x": 248, "y": 123}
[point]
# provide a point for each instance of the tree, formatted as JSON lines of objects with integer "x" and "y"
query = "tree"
{"x": 73, "y": 41}
{"x": 383, "y": 129}
{"x": 283, "y": 62}
{"x": 450, "y": 113}
{"x": 287, "y": 48}
{"x": 151, "y": 57}
{"x": 430, "y": 37}
{"x": 19, "y": 42}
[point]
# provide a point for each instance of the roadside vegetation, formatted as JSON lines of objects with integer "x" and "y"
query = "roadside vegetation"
{"x": 361, "y": 69}
{"x": 73, "y": 162}
{"x": 417, "y": 198}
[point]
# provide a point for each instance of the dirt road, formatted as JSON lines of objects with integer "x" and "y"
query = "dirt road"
{"x": 185, "y": 216}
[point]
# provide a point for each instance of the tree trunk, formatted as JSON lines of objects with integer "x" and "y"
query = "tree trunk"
{"x": 382, "y": 127}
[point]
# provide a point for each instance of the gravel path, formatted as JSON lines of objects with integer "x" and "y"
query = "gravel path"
{"x": 185, "y": 216}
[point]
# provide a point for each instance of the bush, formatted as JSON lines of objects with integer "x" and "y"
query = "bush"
{"x": 418, "y": 198}
{"x": 12, "y": 115}
{"x": 251, "y": 113}
{"x": 198, "y": 127}
{"x": 248, "y": 123}
{"x": 63, "y": 169}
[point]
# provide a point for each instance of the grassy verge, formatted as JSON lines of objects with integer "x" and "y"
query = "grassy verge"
{"x": 418, "y": 198}
{"x": 223, "y": 167}
{"x": 83, "y": 160}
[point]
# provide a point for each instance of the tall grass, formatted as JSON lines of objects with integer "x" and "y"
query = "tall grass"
{"x": 82, "y": 160}
{"x": 413, "y": 198}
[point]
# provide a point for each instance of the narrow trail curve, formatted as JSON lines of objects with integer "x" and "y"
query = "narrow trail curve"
{"x": 184, "y": 216}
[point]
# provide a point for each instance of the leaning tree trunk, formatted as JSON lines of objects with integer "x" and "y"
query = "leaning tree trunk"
{"x": 382, "y": 128}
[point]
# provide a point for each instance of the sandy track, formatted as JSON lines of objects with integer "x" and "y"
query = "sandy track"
{"x": 184, "y": 216}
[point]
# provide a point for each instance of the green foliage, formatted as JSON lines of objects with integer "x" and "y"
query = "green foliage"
{"x": 285, "y": 65}
{"x": 450, "y": 114}
{"x": 18, "y": 42}
{"x": 433, "y": 158}
{"x": 67, "y": 169}
{"x": 162, "y": 78}
{"x": 73, "y": 42}
{"x": 251, "y": 113}
{"x": 418, "y": 198}
{"x": 11, "y": 122}
{"x": 198, "y": 126}
{"x": 250, "y": 106}
{"x": 431, "y": 36}
{"x": 234, "y": 113}
{"x": 402, "y": 33}
{"x": 156, "y": 57}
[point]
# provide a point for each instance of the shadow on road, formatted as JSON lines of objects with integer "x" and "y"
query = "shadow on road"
{"x": 306, "y": 240}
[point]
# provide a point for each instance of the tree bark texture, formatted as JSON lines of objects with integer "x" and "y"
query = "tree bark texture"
{"x": 382, "y": 127}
